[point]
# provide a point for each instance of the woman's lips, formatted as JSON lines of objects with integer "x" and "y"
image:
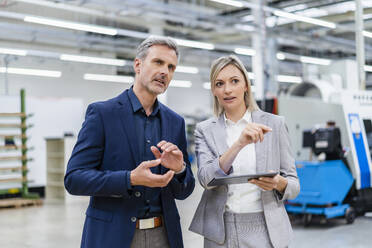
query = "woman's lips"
{"x": 229, "y": 99}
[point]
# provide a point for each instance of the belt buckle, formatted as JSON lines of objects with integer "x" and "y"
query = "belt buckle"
{"x": 146, "y": 223}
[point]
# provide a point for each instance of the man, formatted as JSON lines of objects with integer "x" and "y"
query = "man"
{"x": 131, "y": 159}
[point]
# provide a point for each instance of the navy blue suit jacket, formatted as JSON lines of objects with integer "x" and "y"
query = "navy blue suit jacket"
{"x": 105, "y": 152}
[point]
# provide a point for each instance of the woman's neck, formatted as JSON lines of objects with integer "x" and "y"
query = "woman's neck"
{"x": 236, "y": 114}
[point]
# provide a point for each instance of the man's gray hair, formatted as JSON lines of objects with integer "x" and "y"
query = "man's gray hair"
{"x": 142, "y": 49}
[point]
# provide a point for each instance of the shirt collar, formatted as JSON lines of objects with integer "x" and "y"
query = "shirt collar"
{"x": 136, "y": 104}
{"x": 247, "y": 117}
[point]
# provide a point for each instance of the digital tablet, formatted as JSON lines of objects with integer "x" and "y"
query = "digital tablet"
{"x": 238, "y": 179}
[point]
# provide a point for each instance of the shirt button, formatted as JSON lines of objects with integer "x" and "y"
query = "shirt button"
{"x": 147, "y": 201}
{"x": 137, "y": 194}
{"x": 133, "y": 219}
{"x": 148, "y": 141}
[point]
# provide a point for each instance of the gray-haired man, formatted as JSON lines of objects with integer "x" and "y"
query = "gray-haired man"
{"x": 131, "y": 159}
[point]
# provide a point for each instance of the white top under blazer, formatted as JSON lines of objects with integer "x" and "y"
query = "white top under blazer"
{"x": 246, "y": 197}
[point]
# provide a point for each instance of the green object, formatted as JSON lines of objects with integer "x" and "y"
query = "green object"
{"x": 25, "y": 193}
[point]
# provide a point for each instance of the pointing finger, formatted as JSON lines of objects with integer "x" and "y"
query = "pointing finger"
{"x": 155, "y": 151}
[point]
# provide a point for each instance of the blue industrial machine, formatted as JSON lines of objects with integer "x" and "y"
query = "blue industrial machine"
{"x": 328, "y": 188}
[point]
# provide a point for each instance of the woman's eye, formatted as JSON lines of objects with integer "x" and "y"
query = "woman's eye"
{"x": 235, "y": 81}
{"x": 219, "y": 84}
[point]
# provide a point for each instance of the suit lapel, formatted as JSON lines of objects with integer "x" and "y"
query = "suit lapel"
{"x": 260, "y": 147}
{"x": 165, "y": 128}
{"x": 219, "y": 135}
{"x": 125, "y": 113}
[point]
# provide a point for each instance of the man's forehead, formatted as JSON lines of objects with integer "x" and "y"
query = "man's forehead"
{"x": 161, "y": 51}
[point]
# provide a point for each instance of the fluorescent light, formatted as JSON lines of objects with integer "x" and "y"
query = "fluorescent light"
{"x": 247, "y": 18}
{"x": 195, "y": 44}
{"x": 305, "y": 19}
{"x": 245, "y": 51}
{"x": 71, "y": 25}
{"x": 13, "y": 51}
{"x": 30, "y": 72}
{"x": 368, "y": 68}
{"x": 108, "y": 78}
{"x": 312, "y": 60}
{"x": 245, "y": 27}
{"x": 289, "y": 79}
{"x": 93, "y": 60}
{"x": 207, "y": 85}
{"x": 187, "y": 69}
{"x": 229, "y": 2}
{"x": 367, "y": 34}
{"x": 295, "y": 7}
{"x": 180, "y": 84}
{"x": 280, "y": 56}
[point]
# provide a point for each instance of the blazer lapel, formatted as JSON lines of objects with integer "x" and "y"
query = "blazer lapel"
{"x": 219, "y": 135}
{"x": 125, "y": 114}
{"x": 258, "y": 116}
{"x": 165, "y": 127}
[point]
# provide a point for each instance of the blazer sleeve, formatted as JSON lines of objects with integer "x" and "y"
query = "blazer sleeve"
{"x": 182, "y": 185}
{"x": 83, "y": 176}
{"x": 287, "y": 165}
{"x": 207, "y": 160}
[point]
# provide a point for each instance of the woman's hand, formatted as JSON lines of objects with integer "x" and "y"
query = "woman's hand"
{"x": 252, "y": 133}
{"x": 278, "y": 183}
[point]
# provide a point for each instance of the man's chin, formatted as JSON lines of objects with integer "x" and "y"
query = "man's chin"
{"x": 158, "y": 90}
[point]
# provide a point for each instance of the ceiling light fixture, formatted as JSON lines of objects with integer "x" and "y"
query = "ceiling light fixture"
{"x": 280, "y": 56}
{"x": 187, "y": 69}
{"x": 245, "y": 51}
{"x": 289, "y": 79}
{"x": 108, "y": 78}
{"x": 71, "y": 25}
{"x": 368, "y": 68}
{"x": 13, "y": 51}
{"x": 312, "y": 60}
{"x": 195, "y": 44}
{"x": 304, "y": 19}
{"x": 230, "y": 2}
{"x": 30, "y": 72}
{"x": 180, "y": 84}
{"x": 93, "y": 60}
{"x": 367, "y": 34}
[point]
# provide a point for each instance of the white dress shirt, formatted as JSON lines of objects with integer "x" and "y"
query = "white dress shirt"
{"x": 246, "y": 197}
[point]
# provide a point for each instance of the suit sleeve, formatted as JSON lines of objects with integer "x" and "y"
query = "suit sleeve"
{"x": 182, "y": 185}
{"x": 208, "y": 162}
{"x": 83, "y": 176}
{"x": 287, "y": 165}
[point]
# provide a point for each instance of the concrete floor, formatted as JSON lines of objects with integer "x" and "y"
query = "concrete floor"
{"x": 59, "y": 225}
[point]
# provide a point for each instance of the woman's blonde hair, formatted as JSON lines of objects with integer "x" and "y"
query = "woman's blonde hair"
{"x": 216, "y": 68}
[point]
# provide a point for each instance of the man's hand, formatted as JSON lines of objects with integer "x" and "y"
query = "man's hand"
{"x": 171, "y": 157}
{"x": 142, "y": 175}
{"x": 278, "y": 183}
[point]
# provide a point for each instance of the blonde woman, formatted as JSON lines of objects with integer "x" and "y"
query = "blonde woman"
{"x": 242, "y": 139}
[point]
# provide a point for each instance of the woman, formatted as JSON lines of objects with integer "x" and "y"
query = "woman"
{"x": 242, "y": 139}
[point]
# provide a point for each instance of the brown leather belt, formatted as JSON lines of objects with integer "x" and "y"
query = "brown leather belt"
{"x": 149, "y": 223}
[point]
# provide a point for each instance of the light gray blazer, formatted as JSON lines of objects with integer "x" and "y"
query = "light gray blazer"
{"x": 274, "y": 153}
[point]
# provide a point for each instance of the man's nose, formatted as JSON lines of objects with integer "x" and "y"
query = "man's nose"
{"x": 164, "y": 70}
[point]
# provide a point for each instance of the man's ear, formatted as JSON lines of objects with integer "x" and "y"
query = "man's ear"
{"x": 136, "y": 65}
